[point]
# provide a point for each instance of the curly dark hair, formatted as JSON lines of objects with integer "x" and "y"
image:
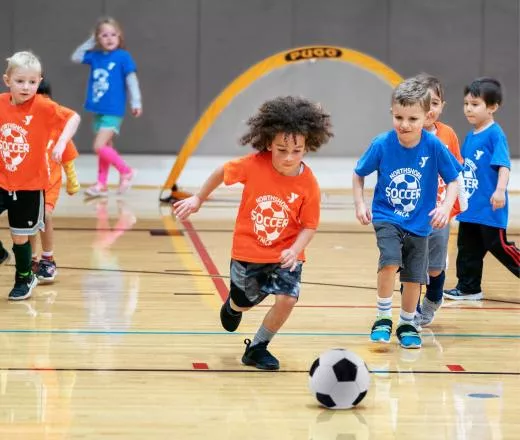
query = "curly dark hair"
{"x": 290, "y": 115}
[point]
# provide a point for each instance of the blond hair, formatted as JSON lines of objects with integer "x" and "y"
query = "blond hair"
{"x": 410, "y": 92}
{"x": 25, "y": 60}
{"x": 112, "y": 22}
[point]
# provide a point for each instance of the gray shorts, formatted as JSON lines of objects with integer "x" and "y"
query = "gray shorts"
{"x": 438, "y": 248}
{"x": 404, "y": 249}
{"x": 251, "y": 283}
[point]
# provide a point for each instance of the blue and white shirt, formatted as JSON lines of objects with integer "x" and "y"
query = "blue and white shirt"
{"x": 106, "y": 92}
{"x": 407, "y": 179}
{"x": 484, "y": 153}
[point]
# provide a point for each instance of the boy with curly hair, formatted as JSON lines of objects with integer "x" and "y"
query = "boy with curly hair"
{"x": 277, "y": 218}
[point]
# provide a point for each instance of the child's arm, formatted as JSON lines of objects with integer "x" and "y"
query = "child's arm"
{"x": 289, "y": 257}
{"x": 363, "y": 213}
{"x": 132, "y": 84}
{"x": 441, "y": 214}
{"x": 498, "y": 199}
{"x": 183, "y": 208}
{"x": 66, "y": 135}
{"x": 82, "y": 49}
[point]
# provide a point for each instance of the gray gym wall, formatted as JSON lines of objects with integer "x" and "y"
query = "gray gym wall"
{"x": 188, "y": 51}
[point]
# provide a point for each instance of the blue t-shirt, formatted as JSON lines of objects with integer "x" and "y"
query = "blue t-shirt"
{"x": 106, "y": 93}
{"x": 483, "y": 154}
{"x": 407, "y": 179}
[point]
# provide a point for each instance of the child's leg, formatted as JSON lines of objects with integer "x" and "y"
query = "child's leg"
{"x": 389, "y": 241}
{"x": 285, "y": 285}
{"x": 470, "y": 262}
{"x": 413, "y": 274}
{"x": 47, "y": 266}
{"x": 25, "y": 208}
{"x": 495, "y": 240}
{"x": 33, "y": 240}
{"x": 437, "y": 254}
{"x": 103, "y": 137}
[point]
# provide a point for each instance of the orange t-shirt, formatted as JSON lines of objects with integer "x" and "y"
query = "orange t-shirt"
{"x": 273, "y": 210}
{"x": 25, "y": 130}
{"x": 449, "y": 138}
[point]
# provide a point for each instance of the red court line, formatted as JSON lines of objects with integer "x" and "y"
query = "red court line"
{"x": 321, "y": 306}
{"x": 455, "y": 367}
{"x": 206, "y": 260}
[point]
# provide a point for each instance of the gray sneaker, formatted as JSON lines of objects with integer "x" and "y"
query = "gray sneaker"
{"x": 428, "y": 309}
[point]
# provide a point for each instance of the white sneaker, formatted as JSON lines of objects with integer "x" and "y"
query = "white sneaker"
{"x": 97, "y": 190}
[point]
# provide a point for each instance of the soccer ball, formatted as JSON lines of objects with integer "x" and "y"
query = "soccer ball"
{"x": 339, "y": 379}
{"x": 12, "y": 142}
{"x": 270, "y": 219}
{"x": 404, "y": 192}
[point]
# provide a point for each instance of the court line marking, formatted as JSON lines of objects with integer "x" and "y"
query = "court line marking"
{"x": 203, "y": 333}
{"x": 255, "y": 371}
{"x": 199, "y": 274}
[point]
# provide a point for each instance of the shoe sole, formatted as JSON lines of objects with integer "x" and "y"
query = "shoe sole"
{"x": 380, "y": 341}
{"x": 469, "y": 297}
{"x": 28, "y": 294}
{"x": 46, "y": 280}
{"x": 254, "y": 364}
{"x": 411, "y": 346}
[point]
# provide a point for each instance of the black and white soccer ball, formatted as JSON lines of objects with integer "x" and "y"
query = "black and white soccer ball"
{"x": 339, "y": 379}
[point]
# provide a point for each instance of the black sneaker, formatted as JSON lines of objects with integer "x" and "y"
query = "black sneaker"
{"x": 46, "y": 271}
{"x": 229, "y": 322}
{"x": 23, "y": 287}
{"x": 258, "y": 356}
{"x": 4, "y": 256}
{"x": 457, "y": 295}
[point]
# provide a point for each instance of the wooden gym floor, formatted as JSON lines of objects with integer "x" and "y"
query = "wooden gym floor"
{"x": 127, "y": 343}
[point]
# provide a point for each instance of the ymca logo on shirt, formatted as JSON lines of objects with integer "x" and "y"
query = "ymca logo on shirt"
{"x": 13, "y": 145}
{"x": 100, "y": 84}
{"x": 469, "y": 173}
{"x": 270, "y": 217}
{"x": 404, "y": 190}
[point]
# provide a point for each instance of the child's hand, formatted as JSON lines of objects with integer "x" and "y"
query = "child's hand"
{"x": 363, "y": 214}
{"x": 289, "y": 258}
{"x": 498, "y": 199}
{"x": 57, "y": 152}
{"x": 137, "y": 112}
{"x": 183, "y": 208}
{"x": 72, "y": 187}
{"x": 440, "y": 217}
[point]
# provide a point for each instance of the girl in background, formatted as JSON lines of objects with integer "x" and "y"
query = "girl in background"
{"x": 112, "y": 73}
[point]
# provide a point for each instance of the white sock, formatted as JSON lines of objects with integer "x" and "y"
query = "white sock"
{"x": 384, "y": 307}
{"x": 406, "y": 317}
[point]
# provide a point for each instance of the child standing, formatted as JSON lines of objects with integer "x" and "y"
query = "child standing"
{"x": 277, "y": 218}
{"x": 112, "y": 72}
{"x": 482, "y": 227}
{"x": 27, "y": 122}
{"x": 408, "y": 161}
{"x": 45, "y": 268}
{"x": 438, "y": 239}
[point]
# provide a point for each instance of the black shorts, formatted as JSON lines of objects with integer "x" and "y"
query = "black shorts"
{"x": 25, "y": 210}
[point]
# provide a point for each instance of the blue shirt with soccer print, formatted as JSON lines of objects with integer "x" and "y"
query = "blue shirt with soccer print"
{"x": 106, "y": 92}
{"x": 407, "y": 179}
{"x": 484, "y": 153}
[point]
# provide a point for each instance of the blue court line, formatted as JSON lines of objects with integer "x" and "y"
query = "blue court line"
{"x": 202, "y": 333}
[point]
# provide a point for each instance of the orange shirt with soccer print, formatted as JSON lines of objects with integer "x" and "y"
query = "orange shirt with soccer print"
{"x": 273, "y": 210}
{"x": 25, "y": 131}
{"x": 448, "y": 137}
